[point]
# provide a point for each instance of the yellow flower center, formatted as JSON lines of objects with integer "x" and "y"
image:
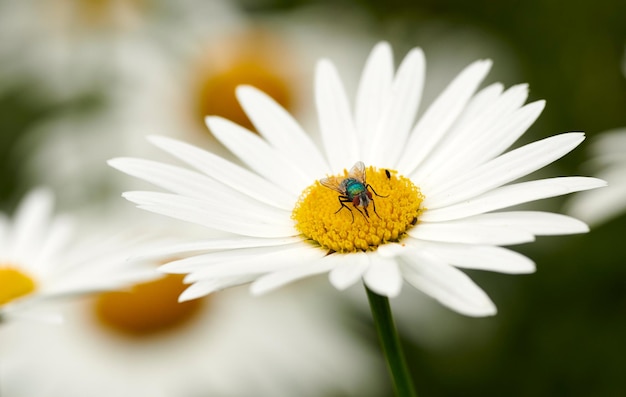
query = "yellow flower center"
{"x": 146, "y": 309}
{"x": 256, "y": 59}
{"x": 14, "y": 284}
{"x": 330, "y": 218}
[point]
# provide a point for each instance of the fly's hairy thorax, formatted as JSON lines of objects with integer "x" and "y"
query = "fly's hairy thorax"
{"x": 353, "y": 187}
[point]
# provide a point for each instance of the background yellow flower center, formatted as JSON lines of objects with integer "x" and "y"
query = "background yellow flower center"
{"x": 147, "y": 309}
{"x": 14, "y": 284}
{"x": 317, "y": 218}
{"x": 255, "y": 58}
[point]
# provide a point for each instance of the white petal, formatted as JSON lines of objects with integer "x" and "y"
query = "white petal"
{"x": 448, "y": 285}
{"x": 56, "y": 242}
{"x": 228, "y": 173}
{"x": 501, "y": 170}
{"x": 441, "y": 114}
{"x": 99, "y": 281}
{"x": 273, "y": 261}
{"x": 206, "y": 287}
{"x": 469, "y": 233}
{"x": 390, "y": 250}
{"x": 383, "y": 276}
{"x": 601, "y": 205}
{"x": 216, "y": 217}
{"x": 4, "y": 235}
{"x": 479, "y": 139}
{"x": 399, "y": 111}
{"x": 350, "y": 269}
{"x": 282, "y": 131}
{"x": 13, "y": 313}
{"x": 235, "y": 242}
{"x": 480, "y": 257}
{"x": 507, "y": 196}
{"x": 198, "y": 290}
{"x": 535, "y": 222}
{"x": 373, "y": 93}
{"x": 336, "y": 123}
{"x": 196, "y": 185}
{"x": 258, "y": 155}
{"x": 206, "y": 260}
{"x": 275, "y": 280}
{"x": 30, "y": 224}
{"x": 514, "y": 126}
{"x": 477, "y": 108}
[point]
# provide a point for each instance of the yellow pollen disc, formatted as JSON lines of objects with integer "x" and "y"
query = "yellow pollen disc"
{"x": 14, "y": 284}
{"x": 146, "y": 309}
{"x": 320, "y": 217}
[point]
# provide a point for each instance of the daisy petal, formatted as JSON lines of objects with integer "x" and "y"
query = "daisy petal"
{"x": 282, "y": 131}
{"x": 226, "y": 172}
{"x": 350, "y": 269}
{"x": 448, "y": 285}
{"x": 383, "y": 276}
{"x": 399, "y": 111}
{"x": 206, "y": 287}
{"x": 507, "y": 196}
{"x": 30, "y": 222}
{"x": 196, "y": 211}
{"x": 599, "y": 206}
{"x": 275, "y": 280}
{"x": 535, "y": 222}
{"x": 335, "y": 118}
{"x": 479, "y": 257}
{"x": 258, "y": 155}
{"x": 4, "y": 234}
{"x": 235, "y": 242}
{"x": 218, "y": 257}
{"x": 478, "y": 140}
{"x": 192, "y": 184}
{"x": 390, "y": 250}
{"x": 372, "y": 93}
{"x": 501, "y": 170}
{"x": 441, "y": 114}
{"x": 512, "y": 127}
{"x": 273, "y": 260}
{"x": 470, "y": 233}
{"x": 59, "y": 235}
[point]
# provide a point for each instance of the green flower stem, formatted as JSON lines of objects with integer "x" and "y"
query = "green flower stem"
{"x": 386, "y": 329}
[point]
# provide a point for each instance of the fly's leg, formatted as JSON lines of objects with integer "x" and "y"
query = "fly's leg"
{"x": 366, "y": 215}
{"x": 368, "y": 186}
{"x": 374, "y": 205}
{"x": 343, "y": 200}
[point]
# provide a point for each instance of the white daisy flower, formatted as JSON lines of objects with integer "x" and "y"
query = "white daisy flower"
{"x": 41, "y": 258}
{"x": 384, "y": 198}
{"x": 609, "y": 162}
{"x": 144, "y": 343}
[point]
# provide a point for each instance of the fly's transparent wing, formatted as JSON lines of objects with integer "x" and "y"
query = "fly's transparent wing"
{"x": 332, "y": 182}
{"x": 358, "y": 172}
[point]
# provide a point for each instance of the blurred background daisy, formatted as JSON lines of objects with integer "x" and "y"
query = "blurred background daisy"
{"x": 142, "y": 342}
{"x": 46, "y": 257}
{"x": 81, "y": 82}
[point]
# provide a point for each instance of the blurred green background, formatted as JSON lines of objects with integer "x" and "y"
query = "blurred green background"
{"x": 560, "y": 331}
